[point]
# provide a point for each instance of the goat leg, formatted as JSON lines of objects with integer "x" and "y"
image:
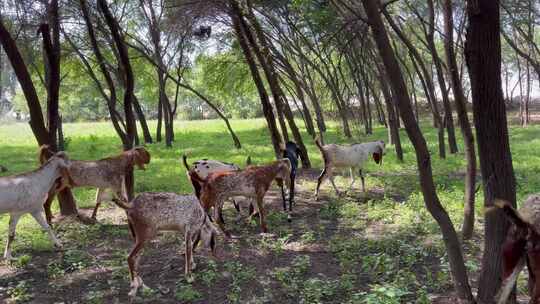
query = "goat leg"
{"x": 291, "y": 196}
{"x": 99, "y": 198}
{"x": 43, "y": 223}
{"x": 133, "y": 262}
{"x": 261, "y": 213}
{"x": 320, "y": 180}
{"x": 509, "y": 283}
{"x": 283, "y": 195}
{"x": 363, "y": 182}
{"x": 353, "y": 179}
{"x": 47, "y": 205}
{"x": 13, "y": 220}
{"x": 189, "y": 264}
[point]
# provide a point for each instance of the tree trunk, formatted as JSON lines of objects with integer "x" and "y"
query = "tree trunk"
{"x": 466, "y": 131}
{"x": 142, "y": 120}
{"x": 448, "y": 119}
{"x": 265, "y": 101}
{"x": 427, "y": 81}
{"x": 453, "y": 247}
{"x": 483, "y": 56}
{"x": 433, "y": 104}
{"x": 37, "y": 124}
{"x": 112, "y": 23}
{"x": 116, "y": 118}
{"x": 393, "y": 130}
{"x": 268, "y": 68}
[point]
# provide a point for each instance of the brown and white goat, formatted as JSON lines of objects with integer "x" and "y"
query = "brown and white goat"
{"x": 521, "y": 247}
{"x": 252, "y": 182}
{"x": 104, "y": 174}
{"x": 151, "y": 212}
{"x": 26, "y": 193}
{"x": 347, "y": 156}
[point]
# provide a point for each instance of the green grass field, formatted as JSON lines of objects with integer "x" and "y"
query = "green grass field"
{"x": 361, "y": 240}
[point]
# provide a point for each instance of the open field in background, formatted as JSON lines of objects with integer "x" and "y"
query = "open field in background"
{"x": 382, "y": 247}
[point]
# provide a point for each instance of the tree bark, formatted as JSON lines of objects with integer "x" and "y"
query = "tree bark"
{"x": 37, "y": 124}
{"x": 112, "y": 23}
{"x": 265, "y": 101}
{"x": 453, "y": 247}
{"x": 483, "y": 56}
{"x": 448, "y": 119}
{"x": 466, "y": 131}
{"x": 263, "y": 55}
{"x": 393, "y": 130}
{"x": 428, "y": 81}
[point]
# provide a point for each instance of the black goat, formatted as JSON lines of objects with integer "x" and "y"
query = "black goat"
{"x": 291, "y": 152}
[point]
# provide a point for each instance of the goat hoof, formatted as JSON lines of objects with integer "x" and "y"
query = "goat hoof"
{"x": 289, "y": 218}
{"x": 189, "y": 278}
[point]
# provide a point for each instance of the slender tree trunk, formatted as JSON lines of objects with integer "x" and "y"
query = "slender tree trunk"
{"x": 265, "y": 101}
{"x": 116, "y": 119}
{"x": 466, "y": 131}
{"x": 112, "y": 23}
{"x": 483, "y": 56}
{"x": 453, "y": 247}
{"x": 393, "y": 131}
{"x": 37, "y": 124}
{"x": 268, "y": 68}
{"x": 142, "y": 120}
{"x": 448, "y": 119}
{"x": 433, "y": 104}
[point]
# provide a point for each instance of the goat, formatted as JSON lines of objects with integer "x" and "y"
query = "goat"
{"x": 204, "y": 167}
{"x": 291, "y": 152}
{"x": 347, "y": 156}
{"x": 252, "y": 182}
{"x": 150, "y": 212}
{"x": 26, "y": 193}
{"x": 521, "y": 247}
{"x": 103, "y": 174}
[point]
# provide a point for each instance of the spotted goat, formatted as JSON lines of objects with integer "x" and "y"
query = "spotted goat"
{"x": 252, "y": 182}
{"x": 151, "y": 212}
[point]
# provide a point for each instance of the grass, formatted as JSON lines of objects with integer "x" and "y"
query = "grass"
{"x": 386, "y": 251}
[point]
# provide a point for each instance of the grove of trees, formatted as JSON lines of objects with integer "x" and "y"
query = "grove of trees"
{"x": 402, "y": 64}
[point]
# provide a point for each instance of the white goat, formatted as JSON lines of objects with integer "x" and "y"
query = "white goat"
{"x": 26, "y": 193}
{"x": 347, "y": 156}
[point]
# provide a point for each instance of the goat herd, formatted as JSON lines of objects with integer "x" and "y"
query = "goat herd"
{"x": 214, "y": 182}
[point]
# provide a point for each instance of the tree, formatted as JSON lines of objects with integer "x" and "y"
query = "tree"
{"x": 483, "y": 55}
{"x": 121, "y": 47}
{"x": 453, "y": 247}
{"x": 43, "y": 135}
{"x": 466, "y": 131}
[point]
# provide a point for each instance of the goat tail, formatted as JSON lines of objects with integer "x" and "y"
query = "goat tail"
{"x": 511, "y": 213}
{"x": 320, "y": 146}
{"x": 121, "y": 203}
{"x": 184, "y": 159}
{"x": 44, "y": 153}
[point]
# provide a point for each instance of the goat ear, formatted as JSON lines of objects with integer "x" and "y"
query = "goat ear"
{"x": 45, "y": 153}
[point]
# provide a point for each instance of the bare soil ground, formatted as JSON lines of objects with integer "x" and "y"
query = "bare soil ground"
{"x": 253, "y": 268}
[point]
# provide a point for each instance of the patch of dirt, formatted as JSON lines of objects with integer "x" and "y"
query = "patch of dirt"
{"x": 99, "y": 273}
